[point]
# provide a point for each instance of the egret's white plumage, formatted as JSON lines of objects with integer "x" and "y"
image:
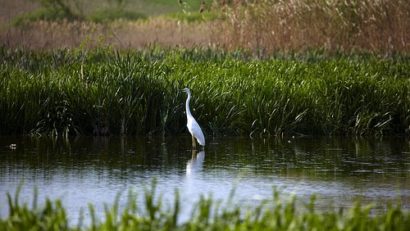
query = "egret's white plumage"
{"x": 192, "y": 125}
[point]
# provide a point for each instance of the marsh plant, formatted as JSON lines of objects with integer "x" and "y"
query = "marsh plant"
{"x": 152, "y": 213}
{"x": 139, "y": 92}
{"x": 266, "y": 26}
{"x": 263, "y": 27}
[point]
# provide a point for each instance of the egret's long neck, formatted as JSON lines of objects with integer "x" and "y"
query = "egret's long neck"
{"x": 188, "y": 112}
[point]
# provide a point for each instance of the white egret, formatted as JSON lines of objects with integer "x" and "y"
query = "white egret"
{"x": 192, "y": 125}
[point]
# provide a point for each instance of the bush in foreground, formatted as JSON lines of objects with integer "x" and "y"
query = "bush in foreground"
{"x": 207, "y": 214}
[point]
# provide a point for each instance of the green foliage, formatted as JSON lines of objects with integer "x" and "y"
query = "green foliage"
{"x": 139, "y": 92}
{"x": 110, "y": 10}
{"x": 51, "y": 216}
{"x": 57, "y": 10}
{"x": 51, "y": 10}
{"x": 207, "y": 214}
{"x": 40, "y": 14}
{"x": 107, "y": 15}
{"x": 191, "y": 17}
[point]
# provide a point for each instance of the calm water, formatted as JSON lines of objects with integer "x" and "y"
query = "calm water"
{"x": 94, "y": 170}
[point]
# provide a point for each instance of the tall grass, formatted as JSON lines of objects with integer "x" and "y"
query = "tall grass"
{"x": 207, "y": 214}
{"x": 121, "y": 34}
{"x": 266, "y": 26}
{"x": 101, "y": 91}
{"x": 263, "y": 27}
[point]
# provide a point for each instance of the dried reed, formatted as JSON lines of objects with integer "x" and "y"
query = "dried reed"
{"x": 261, "y": 26}
{"x": 266, "y": 26}
{"x": 121, "y": 34}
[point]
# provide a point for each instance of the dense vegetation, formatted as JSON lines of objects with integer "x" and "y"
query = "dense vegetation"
{"x": 267, "y": 26}
{"x": 78, "y": 92}
{"x": 261, "y": 26}
{"x": 153, "y": 214}
{"x": 102, "y": 11}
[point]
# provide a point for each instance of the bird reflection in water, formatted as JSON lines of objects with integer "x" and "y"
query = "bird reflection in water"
{"x": 195, "y": 164}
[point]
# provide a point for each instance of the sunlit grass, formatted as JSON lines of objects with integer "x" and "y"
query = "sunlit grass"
{"x": 105, "y": 11}
{"x": 263, "y": 27}
{"x": 152, "y": 213}
{"x": 78, "y": 92}
{"x": 266, "y": 26}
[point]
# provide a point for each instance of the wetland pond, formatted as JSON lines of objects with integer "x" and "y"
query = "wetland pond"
{"x": 94, "y": 170}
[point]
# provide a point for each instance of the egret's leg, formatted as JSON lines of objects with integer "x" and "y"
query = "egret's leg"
{"x": 193, "y": 151}
{"x": 193, "y": 142}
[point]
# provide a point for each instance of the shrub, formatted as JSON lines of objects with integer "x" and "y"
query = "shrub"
{"x": 107, "y": 15}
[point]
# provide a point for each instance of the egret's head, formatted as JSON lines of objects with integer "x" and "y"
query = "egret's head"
{"x": 186, "y": 90}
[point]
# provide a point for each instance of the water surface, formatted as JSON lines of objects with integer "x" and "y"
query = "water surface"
{"x": 94, "y": 170}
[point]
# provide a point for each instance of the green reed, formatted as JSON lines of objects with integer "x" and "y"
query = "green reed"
{"x": 139, "y": 92}
{"x": 152, "y": 213}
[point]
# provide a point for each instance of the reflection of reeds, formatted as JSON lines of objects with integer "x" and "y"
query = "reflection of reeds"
{"x": 267, "y": 25}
